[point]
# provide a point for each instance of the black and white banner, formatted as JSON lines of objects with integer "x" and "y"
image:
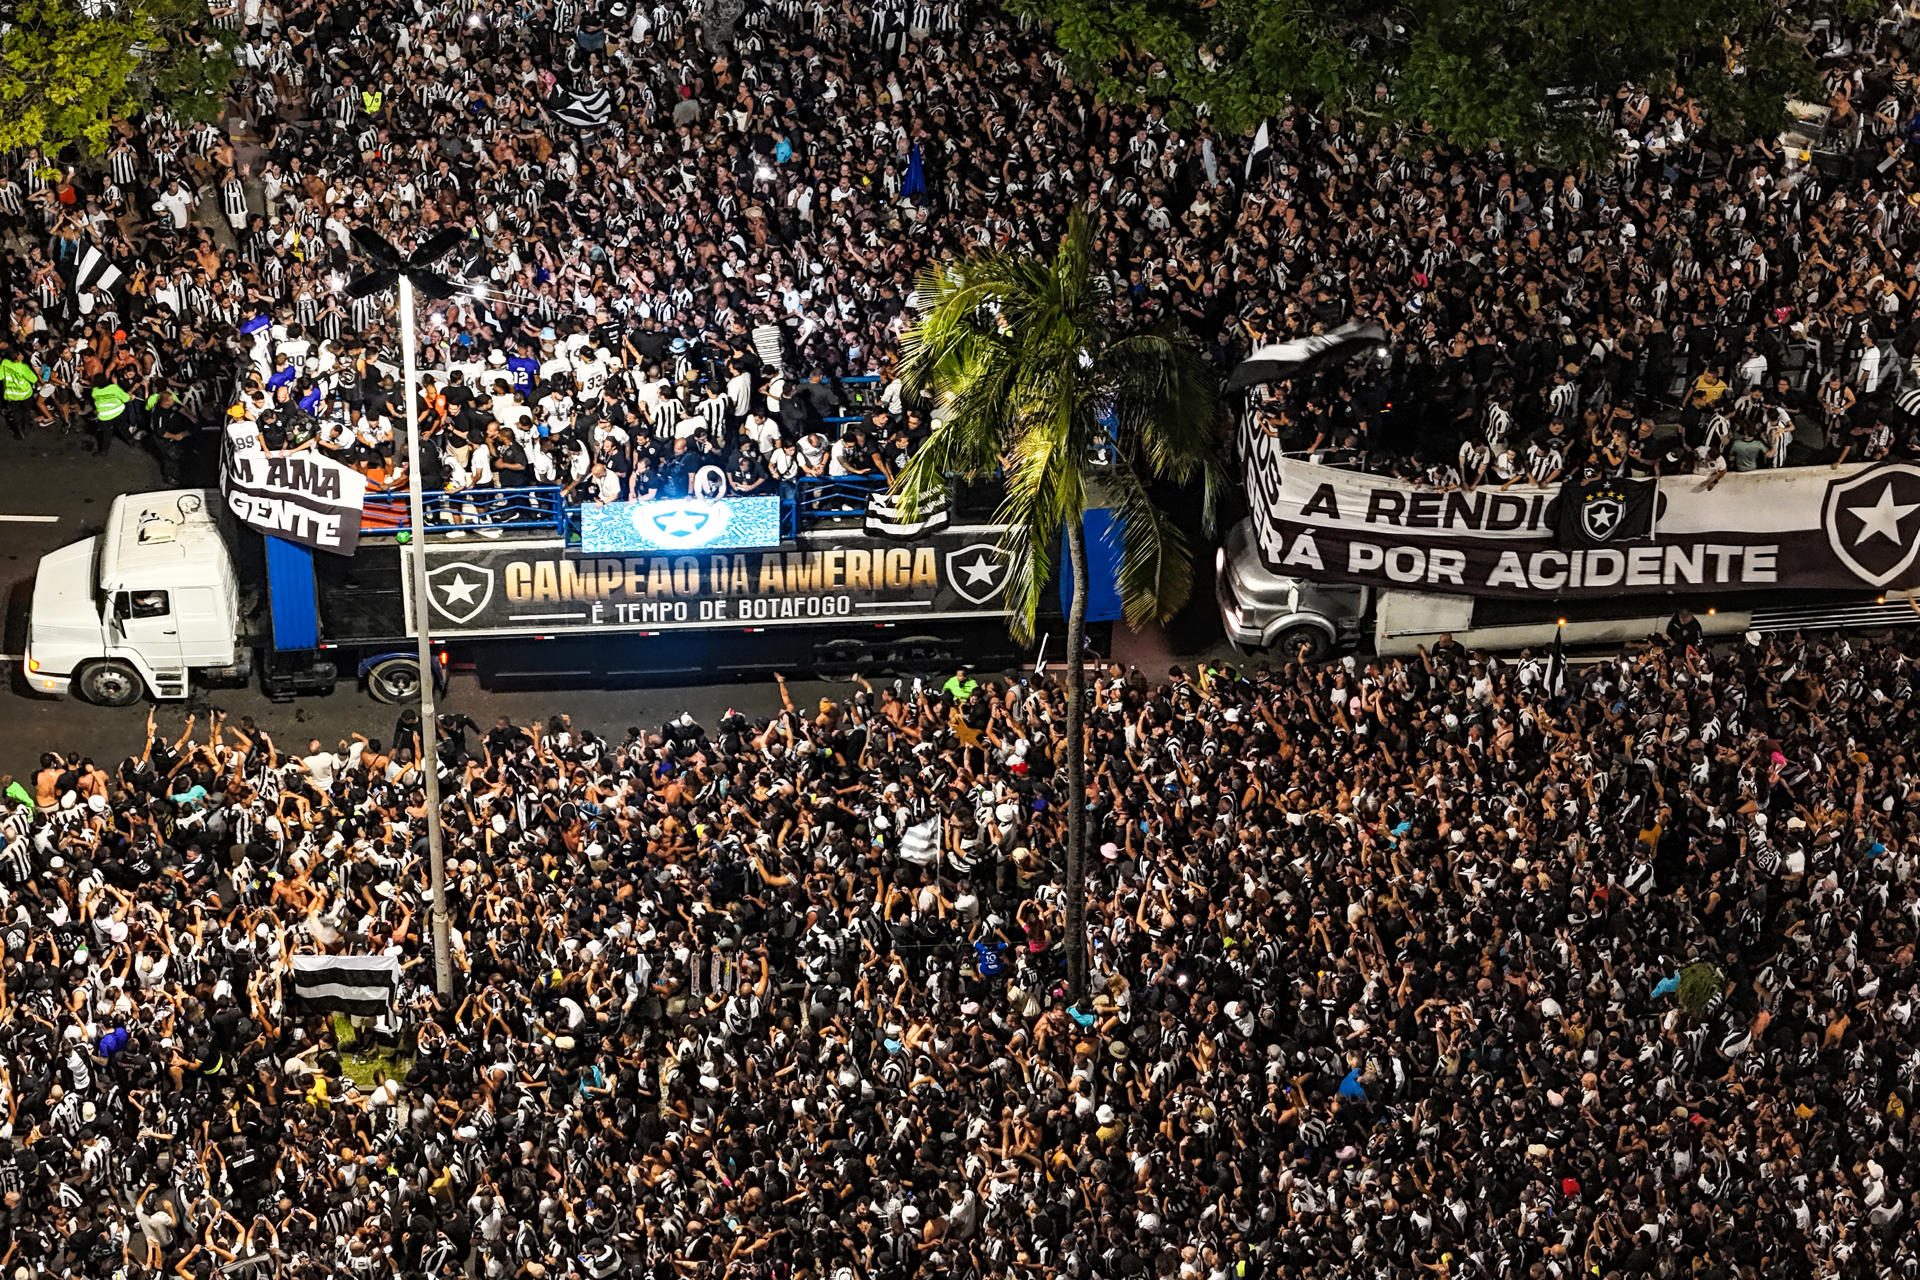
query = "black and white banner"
{"x": 363, "y": 985}
{"x": 920, "y": 843}
{"x": 94, "y": 272}
{"x": 1851, "y": 529}
{"x": 885, "y": 518}
{"x": 306, "y": 498}
{"x": 589, "y": 110}
{"x": 1280, "y": 361}
{"x": 542, "y": 588}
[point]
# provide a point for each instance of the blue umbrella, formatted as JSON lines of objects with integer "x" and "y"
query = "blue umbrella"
{"x": 915, "y": 182}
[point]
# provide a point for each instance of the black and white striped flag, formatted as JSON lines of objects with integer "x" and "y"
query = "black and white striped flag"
{"x": 585, "y": 110}
{"x": 1262, "y": 141}
{"x": 884, "y": 516}
{"x": 1557, "y": 665}
{"x": 95, "y": 272}
{"x": 920, "y": 843}
{"x": 363, "y": 985}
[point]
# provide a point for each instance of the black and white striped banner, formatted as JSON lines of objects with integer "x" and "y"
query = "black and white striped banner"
{"x": 885, "y": 519}
{"x": 362, "y": 985}
{"x": 585, "y": 110}
{"x": 920, "y": 843}
{"x": 93, "y": 272}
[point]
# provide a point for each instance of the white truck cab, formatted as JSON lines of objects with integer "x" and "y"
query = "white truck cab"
{"x": 1263, "y": 611}
{"x": 142, "y": 608}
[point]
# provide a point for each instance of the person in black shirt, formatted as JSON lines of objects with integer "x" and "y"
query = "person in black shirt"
{"x": 1684, "y": 631}
{"x": 510, "y": 465}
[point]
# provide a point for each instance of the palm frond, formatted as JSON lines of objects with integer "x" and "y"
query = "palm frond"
{"x": 1044, "y": 491}
{"x": 1166, "y": 401}
{"x": 1156, "y": 567}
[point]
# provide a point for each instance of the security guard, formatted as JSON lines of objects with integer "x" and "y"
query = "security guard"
{"x": 170, "y": 432}
{"x": 17, "y": 380}
{"x": 109, "y": 407}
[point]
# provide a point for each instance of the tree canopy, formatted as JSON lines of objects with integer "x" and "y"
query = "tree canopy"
{"x": 1524, "y": 72}
{"x": 74, "y": 67}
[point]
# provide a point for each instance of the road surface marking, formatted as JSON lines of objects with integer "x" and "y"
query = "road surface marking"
{"x": 30, "y": 519}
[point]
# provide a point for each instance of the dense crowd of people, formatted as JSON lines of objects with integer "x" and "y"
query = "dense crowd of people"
{"x": 1399, "y": 968}
{"x": 639, "y": 208}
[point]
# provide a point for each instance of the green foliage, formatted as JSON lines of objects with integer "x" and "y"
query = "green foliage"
{"x": 69, "y": 70}
{"x": 1700, "y": 982}
{"x": 1470, "y": 71}
{"x": 1026, "y": 354}
{"x": 1028, "y": 357}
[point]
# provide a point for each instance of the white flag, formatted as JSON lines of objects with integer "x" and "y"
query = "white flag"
{"x": 1261, "y": 142}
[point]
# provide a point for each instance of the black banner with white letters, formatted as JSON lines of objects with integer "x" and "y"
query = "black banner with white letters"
{"x": 304, "y": 497}
{"x": 1851, "y": 529}
{"x": 539, "y": 588}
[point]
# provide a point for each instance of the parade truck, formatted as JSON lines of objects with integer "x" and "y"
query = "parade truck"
{"x": 290, "y": 577}
{"x": 1331, "y": 557}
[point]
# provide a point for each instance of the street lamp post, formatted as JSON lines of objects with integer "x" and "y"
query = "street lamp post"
{"x": 389, "y": 268}
{"x": 429, "y": 721}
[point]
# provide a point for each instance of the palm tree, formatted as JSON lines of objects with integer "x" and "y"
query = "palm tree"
{"x": 1035, "y": 372}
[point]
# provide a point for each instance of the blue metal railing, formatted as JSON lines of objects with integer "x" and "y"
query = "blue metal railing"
{"x": 533, "y": 509}
{"x": 544, "y": 509}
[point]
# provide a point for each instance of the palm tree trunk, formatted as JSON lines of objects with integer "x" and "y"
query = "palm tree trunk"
{"x": 1076, "y": 790}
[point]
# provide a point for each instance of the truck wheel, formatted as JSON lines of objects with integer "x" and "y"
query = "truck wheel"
{"x": 395, "y": 680}
{"x": 913, "y": 653}
{"x": 110, "y": 683}
{"x": 1288, "y": 644}
{"x": 839, "y": 659}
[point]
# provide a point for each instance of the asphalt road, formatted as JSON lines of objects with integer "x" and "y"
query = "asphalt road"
{"x": 55, "y": 493}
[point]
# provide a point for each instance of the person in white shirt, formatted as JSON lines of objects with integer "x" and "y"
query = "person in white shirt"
{"x": 847, "y": 457}
{"x": 590, "y": 373}
{"x": 509, "y": 412}
{"x": 814, "y": 451}
{"x": 176, "y": 202}
{"x": 740, "y": 390}
{"x": 783, "y": 462}
{"x": 604, "y": 431}
{"x": 763, "y": 431}
{"x": 319, "y": 766}
{"x": 650, "y": 388}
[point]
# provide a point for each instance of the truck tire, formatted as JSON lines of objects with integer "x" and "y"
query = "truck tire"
{"x": 395, "y": 680}
{"x": 839, "y": 659}
{"x": 1286, "y": 646}
{"x": 110, "y": 683}
{"x": 913, "y": 654}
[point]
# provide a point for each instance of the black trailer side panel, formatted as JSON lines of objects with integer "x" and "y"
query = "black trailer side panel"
{"x": 360, "y": 596}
